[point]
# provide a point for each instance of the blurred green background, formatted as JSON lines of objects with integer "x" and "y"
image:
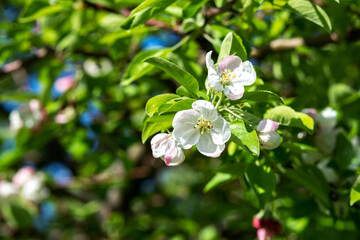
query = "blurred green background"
{"x": 82, "y": 61}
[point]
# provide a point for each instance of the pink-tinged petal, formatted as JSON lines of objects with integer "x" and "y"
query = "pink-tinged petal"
{"x": 229, "y": 62}
{"x": 64, "y": 83}
{"x": 234, "y": 91}
{"x": 270, "y": 140}
{"x": 174, "y": 155}
{"x": 207, "y": 147}
{"x": 267, "y": 125}
{"x": 245, "y": 74}
{"x": 23, "y": 175}
{"x": 206, "y": 109}
{"x": 213, "y": 76}
{"x": 221, "y": 131}
{"x": 159, "y": 144}
{"x": 186, "y": 118}
{"x": 261, "y": 234}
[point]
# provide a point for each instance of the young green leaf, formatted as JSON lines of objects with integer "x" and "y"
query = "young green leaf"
{"x": 245, "y": 136}
{"x": 137, "y": 68}
{"x": 355, "y": 192}
{"x": 287, "y": 116}
{"x": 176, "y": 105}
{"x": 180, "y": 75}
{"x": 232, "y": 45}
{"x": 310, "y": 177}
{"x": 311, "y": 12}
{"x": 260, "y": 96}
{"x": 155, "y": 124}
{"x": 144, "y": 12}
{"x": 154, "y": 103}
{"x": 262, "y": 181}
{"x": 219, "y": 178}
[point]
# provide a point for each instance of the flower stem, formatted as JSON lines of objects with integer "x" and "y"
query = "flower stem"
{"x": 213, "y": 101}
{"x": 220, "y": 100}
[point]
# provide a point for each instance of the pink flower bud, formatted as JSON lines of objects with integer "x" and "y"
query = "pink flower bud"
{"x": 164, "y": 146}
{"x": 268, "y": 137}
{"x": 63, "y": 84}
{"x": 257, "y": 222}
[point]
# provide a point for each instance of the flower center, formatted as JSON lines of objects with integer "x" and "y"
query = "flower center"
{"x": 226, "y": 76}
{"x": 203, "y": 125}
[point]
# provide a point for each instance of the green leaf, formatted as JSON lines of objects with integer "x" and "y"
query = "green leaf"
{"x": 154, "y": 103}
{"x": 355, "y": 192}
{"x": 192, "y": 9}
{"x": 244, "y": 135}
{"x": 311, "y": 12}
{"x": 155, "y": 124}
{"x": 18, "y": 215}
{"x": 144, "y": 12}
{"x": 310, "y": 177}
{"x": 343, "y": 152}
{"x": 232, "y": 45}
{"x": 287, "y": 116}
{"x": 250, "y": 119}
{"x": 176, "y": 105}
{"x": 137, "y": 68}
{"x": 37, "y": 9}
{"x": 262, "y": 181}
{"x": 260, "y": 96}
{"x": 22, "y": 96}
{"x": 180, "y": 75}
{"x": 216, "y": 180}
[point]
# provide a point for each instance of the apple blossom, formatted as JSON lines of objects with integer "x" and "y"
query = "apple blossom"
{"x": 23, "y": 175}
{"x": 201, "y": 126}
{"x": 66, "y": 115}
{"x": 328, "y": 118}
{"x": 29, "y": 116}
{"x": 268, "y": 137}
{"x": 7, "y": 189}
{"x": 231, "y": 76}
{"x": 35, "y": 189}
{"x": 64, "y": 83}
{"x": 164, "y": 146}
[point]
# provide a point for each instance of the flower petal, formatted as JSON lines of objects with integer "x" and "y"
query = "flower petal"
{"x": 213, "y": 76}
{"x": 186, "y": 117}
{"x": 245, "y": 74}
{"x": 159, "y": 144}
{"x": 267, "y": 125}
{"x": 207, "y": 147}
{"x": 270, "y": 140}
{"x": 234, "y": 91}
{"x": 206, "y": 109}
{"x": 174, "y": 154}
{"x": 229, "y": 62}
{"x": 221, "y": 132}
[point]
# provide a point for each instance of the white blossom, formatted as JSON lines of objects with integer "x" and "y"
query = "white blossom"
{"x": 7, "y": 189}
{"x": 268, "y": 137}
{"x": 29, "y": 116}
{"x": 164, "y": 146}
{"x": 35, "y": 189}
{"x": 231, "y": 76}
{"x": 201, "y": 126}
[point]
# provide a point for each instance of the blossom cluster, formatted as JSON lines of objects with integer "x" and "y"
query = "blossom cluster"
{"x": 26, "y": 183}
{"x": 266, "y": 228}
{"x": 203, "y": 126}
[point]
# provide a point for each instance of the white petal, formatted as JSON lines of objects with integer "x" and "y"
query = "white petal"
{"x": 269, "y": 140}
{"x": 229, "y": 62}
{"x": 328, "y": 117}
{"x": 184, "y": 132}
{"x": 245, "y": 74}
{"x": 221, "y": 132}
{"x": 206, "y": 109}
{"x": 186, "y": 117}
{"x": 159, "y": 144}
{"x": 234, "y": 91}
{"x": 213, "y": 76}
{"x": 266, "y": 125}
{"x": 174, "y": 155}
{"x": 207, "y": 147}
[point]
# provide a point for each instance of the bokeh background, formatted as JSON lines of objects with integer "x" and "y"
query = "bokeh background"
{"x": 73, "y": 89}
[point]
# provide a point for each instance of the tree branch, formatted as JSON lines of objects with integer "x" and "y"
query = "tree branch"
{"x": 280, "y": 45}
